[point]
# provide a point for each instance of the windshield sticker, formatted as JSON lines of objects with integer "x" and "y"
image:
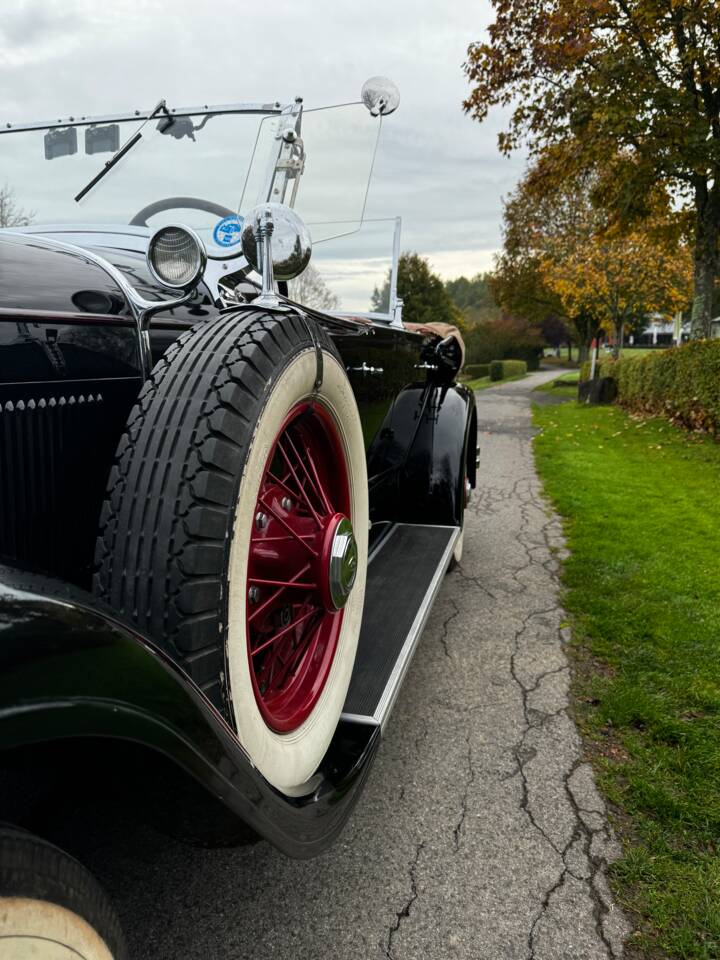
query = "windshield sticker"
{"x": 227, "y": 231}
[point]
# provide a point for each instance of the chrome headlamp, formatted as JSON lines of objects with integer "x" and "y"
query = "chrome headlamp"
{"x": 176, "y": 257}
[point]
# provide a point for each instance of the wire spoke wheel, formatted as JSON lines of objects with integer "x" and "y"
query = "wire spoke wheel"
{"x": 293, "y": 619}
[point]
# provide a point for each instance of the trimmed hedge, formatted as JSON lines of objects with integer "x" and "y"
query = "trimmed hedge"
{"x": 682, "y": 383}
{"x": 502, "y": 369}
{"x": 477, "y": 370}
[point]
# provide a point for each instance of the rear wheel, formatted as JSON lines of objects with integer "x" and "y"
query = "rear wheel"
{"x": 235, "y": 533}
{"x": 51, "y": 907}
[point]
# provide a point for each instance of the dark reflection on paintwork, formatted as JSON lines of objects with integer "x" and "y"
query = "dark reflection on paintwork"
{"x": 36, "y": 278}
{"x": 46, "y": 350}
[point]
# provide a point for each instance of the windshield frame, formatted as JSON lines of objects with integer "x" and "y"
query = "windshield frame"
{"x": 140, "y": 115}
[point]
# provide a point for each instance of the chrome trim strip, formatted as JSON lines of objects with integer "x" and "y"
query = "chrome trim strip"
{"x": 358, "y": 718}
{"x": 392, "y": 688}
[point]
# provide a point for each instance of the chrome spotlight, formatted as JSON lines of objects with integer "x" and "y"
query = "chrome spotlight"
{"x": 176, "y": 257}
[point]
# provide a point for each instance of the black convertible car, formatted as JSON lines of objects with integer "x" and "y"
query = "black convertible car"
{"x": 224, "y": 514}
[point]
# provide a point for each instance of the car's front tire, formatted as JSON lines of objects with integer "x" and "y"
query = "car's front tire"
{"x": 51, "y": 907}
{"x": 234, "y": 487}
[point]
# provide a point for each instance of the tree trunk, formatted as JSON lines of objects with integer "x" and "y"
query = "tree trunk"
{"x": 707, "y": 233}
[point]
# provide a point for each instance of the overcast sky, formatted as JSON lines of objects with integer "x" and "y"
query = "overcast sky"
{"x": 436, "y": 168}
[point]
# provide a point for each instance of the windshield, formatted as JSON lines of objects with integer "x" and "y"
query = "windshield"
{"x": 197, "y": 168}
{"x": 330, "y": 161}
{"x": 202, "y": 157}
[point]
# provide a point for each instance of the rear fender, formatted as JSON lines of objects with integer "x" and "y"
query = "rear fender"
{"x": 442, "y": 453}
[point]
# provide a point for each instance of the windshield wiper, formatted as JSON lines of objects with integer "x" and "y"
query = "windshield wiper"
{"x": 161, "y": 107}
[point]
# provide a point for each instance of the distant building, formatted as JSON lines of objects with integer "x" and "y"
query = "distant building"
{"x": 660, "y": 333}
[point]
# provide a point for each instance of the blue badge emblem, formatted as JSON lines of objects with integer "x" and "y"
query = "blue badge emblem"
{"x": 227, "y": 231}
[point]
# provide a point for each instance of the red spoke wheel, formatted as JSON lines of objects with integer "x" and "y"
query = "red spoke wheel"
{"x": 301, "y": 566}
{"x": 244, "y": 553}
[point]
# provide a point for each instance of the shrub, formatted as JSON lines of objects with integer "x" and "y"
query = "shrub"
{"x": 504, "y": 338}
{"x": 682, "y": 383}
{"x": 477, "y": 370}
{"x": 502, "y": 369}
{"x": 514, "y": 368}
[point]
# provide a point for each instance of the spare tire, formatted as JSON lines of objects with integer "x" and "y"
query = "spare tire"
{"x": 235, "y": 530}
{"x": 51, "y": 907}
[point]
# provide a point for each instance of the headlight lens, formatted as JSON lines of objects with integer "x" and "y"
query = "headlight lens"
{"x": 176, "y": 256}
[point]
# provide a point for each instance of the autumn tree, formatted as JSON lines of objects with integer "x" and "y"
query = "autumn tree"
{"x": 310, "y": 289}
{"x": 11, "y": 215}
{"x": 545, "y": 221}
{"x": 425, "y": 299}
{"x": 635, "y": 79}
{"x": 621, "y": 278}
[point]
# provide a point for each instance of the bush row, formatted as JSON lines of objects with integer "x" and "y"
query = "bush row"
{"x": 682, "y": 383}
{"x": 502, "y": 369}
{"x": 477, "y": 370}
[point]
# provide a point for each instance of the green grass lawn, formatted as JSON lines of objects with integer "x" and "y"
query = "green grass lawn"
{"x": 565, "y": 385}
{"x": 641, "y": 502}
{"x": 482, "y": 383}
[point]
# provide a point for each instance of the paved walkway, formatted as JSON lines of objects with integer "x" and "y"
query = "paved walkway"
{"x": 480, "y": 835}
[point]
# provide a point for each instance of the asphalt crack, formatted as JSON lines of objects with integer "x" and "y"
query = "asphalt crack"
{"x": 469, "y": 780}
{"x": 404, "y": 913}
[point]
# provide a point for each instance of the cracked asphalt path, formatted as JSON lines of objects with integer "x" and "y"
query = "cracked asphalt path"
{"x": 480, "y": 834}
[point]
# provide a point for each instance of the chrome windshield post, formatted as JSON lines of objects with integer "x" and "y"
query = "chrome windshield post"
{"x": 396, "y": 304}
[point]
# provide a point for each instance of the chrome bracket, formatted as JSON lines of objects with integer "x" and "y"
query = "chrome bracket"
{"x": 263, "y": 231}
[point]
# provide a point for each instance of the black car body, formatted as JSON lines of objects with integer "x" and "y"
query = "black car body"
{"x": 73, "y": 361}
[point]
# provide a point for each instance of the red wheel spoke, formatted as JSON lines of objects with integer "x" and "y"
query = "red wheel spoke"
{"x": 258, "y": 611}
{"x": 283, "y": 583}
{"x": 301, "y": 489}
{"x": 303, "y": 536}
{"x": 314, "y": 483}
{"x": 319, "y": 484}
{"x": 293, "y": 627}
{"x": 287, "y": 526}
{"x": 305, "y": 648}
{"x": 281, "y": 633}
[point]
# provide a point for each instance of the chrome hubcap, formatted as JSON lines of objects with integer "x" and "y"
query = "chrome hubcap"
{"x": 343, "y": 563}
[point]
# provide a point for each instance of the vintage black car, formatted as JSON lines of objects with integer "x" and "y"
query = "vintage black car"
{"x": 224, "y": 515}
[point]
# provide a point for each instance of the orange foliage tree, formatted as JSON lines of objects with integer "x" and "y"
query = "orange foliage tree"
{"x": 621, "y": 278}
{"x": 638, "y": 80}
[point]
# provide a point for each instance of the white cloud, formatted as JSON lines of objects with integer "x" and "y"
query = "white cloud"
{"x": 436, "y": 168}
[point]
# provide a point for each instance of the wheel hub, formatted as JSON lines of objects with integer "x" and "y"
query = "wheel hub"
{"x": 342, "y": 562}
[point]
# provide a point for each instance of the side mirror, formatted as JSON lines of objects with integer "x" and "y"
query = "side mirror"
{"x": 381, "y": 96}
{"x": 277, "y": 244}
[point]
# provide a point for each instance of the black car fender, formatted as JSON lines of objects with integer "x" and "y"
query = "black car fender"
{"x": 70, "y": 670}
{"x": 441, "y": 455}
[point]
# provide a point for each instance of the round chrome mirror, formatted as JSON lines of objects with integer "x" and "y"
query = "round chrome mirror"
{"x": 381, "y": 96}
{"x": 291, "y": 244}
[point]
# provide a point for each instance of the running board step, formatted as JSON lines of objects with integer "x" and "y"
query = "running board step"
{"x": 405, "y": 573}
